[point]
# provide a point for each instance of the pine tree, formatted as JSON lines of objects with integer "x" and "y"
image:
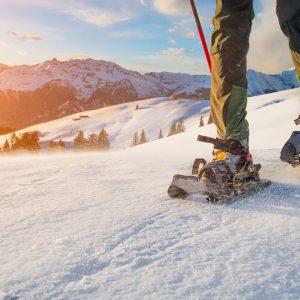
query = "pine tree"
{"x": 201, "y": 124}
{"x": 180, "y": 127}
{"x": 160, "y": 136}
{"x": 25, "y": 141}
{"x": 28, "y": 141}
{"x": 173, "y": 128}
{"x": 210, "y": 120}
{"x": 137, "y": 107}
{"x": 34, "y": 141}
{"x": 103, "y": 140}
{"x": 143, "y": 138}
{"x": 80, "y": 142}
{"x": 135, "y": 140}
{"x": 92, "y": 142}
{"x": 6, "y": 146}
{"x": 56, "y": 146}
{"x": 52, "y": 145}
{"x": 61, "y": 145}
{"x": 15, "y": 142}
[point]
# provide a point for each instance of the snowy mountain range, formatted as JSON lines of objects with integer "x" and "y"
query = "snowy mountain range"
{"x": 31, "y": 94}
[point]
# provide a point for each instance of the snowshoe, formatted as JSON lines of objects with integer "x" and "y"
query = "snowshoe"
{"x": 183, "y": 186}
{"x": 290, "y": 152}
{"x": 229, "y": 176}
{"x": 221, "y": 184}
{"x": 231, "y": 173}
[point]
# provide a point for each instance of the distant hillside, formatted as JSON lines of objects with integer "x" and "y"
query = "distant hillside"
{"x": 54, "y": 89}
{"x": 122, "y": 121}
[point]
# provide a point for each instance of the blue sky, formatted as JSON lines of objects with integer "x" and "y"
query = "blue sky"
{"x": 143, "y": 35}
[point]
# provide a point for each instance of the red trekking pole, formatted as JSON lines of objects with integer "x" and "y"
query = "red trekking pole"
{"x": 201, "y": 34}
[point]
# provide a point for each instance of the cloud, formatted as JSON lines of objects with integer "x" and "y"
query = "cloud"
{"x": 174, "y": 52}
{"x": 11, "y": 33}
{"x": 172, "y": 29}
{"x": 4, "y": 45}
{"x": 98, "y": 17}
{"x": 141, "y": 34}
{"x": 171, "y": 60}
{"x": 81, "y": 10}
{"x": 269, "y": 51}
{"x": 127, "y": 33}
{"x": 172, "y": 41}
{"x": 25, "y": 37}
{"x": 190, "y": 34}
{"x": 72, "y": 55}
{"x": 172, "y": 7}
{"x": 22, "y": 53}
{"x": 85, "y": 55}
{"x": 30, "y": 38}
{"x": 184, "y": 27}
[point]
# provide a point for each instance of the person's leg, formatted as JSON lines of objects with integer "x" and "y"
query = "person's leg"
{"x": 230, "y": 44}
{"x": 288, "y": 12}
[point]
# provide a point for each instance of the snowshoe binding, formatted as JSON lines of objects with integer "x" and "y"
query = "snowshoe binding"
{"x": 231, "y": 173}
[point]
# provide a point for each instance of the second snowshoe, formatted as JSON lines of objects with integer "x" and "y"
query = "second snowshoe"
{"x": 290, "y": 152}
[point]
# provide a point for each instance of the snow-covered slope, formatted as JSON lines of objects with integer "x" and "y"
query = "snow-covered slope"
{"x": 101, "y": 226}
{"x": 260, "y": 83}
{"x": 123, "y": 120}
{"x": 180, "y": 82}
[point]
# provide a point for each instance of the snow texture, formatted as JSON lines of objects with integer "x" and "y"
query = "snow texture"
{"x": 101, "y": 226}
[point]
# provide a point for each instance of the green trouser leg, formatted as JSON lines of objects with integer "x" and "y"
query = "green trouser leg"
{"x": 230, "y": 44}
{"x": 288, "y": 13}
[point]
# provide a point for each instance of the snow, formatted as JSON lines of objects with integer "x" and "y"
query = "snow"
{"x": 260, "y": 83}
{"x": 123, "y": 120}
{"x": 101, "y": 226}
{"x": 178, "y": 82}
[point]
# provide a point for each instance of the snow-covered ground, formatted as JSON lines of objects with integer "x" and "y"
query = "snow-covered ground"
{"x": 101, "y": 226}
{"x": 123, "y": 120}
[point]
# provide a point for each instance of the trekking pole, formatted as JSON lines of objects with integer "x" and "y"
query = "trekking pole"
{"x": 201, "y": 34}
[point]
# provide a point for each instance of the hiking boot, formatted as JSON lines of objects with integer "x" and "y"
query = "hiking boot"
{"x": 231, "y": 167}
